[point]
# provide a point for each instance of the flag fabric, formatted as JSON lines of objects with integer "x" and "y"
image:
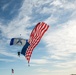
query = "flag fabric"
{"x": 18, "y": 41}
{"x": 25, "y": 48}
{"x": 35, "y": 37}
{"x": 12, "y": 70}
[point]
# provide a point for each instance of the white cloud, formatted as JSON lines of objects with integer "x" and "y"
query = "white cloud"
{"x": 19, "y": 24}
{"x": 9, "y": 54}
{"x": 67, "y": 3}
{"x": 42, "y": 70}
{"x": 39, "y": 61}
{"x": 38, "y": 3}
{"x": 56, "y": 9}
{"x": 51, "y": 20}
{"x": 63, "y": 39}
{"x": 60, "y": 41}
{"x": 15, "y": 28}
{"x": 56, "y": 3}
{"x": 3, "y": 52}
{"x": 64, "y": 4}
{"x": 26, "y": 8}
{"x": 7, "y": 60}
{"x": 66, "y": 65}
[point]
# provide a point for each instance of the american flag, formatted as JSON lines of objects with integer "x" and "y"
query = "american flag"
{"x": 35, "y": 37}
{"x": 12, "y": 70}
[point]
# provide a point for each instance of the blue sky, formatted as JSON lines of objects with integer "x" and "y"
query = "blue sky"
{"x": 56, "y": 52}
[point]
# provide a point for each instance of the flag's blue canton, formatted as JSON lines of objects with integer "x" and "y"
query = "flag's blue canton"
{"x": 25, "y": 48}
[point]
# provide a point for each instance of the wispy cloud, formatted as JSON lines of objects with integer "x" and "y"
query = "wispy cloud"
{"x": 66, "y": 65}
{"x": 61, "y": 43}
{"x": 59, "y": 39}
{"x": 7, "y": 60}
{"x": 39, "y": 61}
{"x": 41, "y": 70}
{"x": 5, "y": 53}
{"x": 5, "y": 6}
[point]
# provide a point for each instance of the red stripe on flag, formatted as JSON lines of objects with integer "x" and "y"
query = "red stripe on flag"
{"x": 35, "y": 37}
